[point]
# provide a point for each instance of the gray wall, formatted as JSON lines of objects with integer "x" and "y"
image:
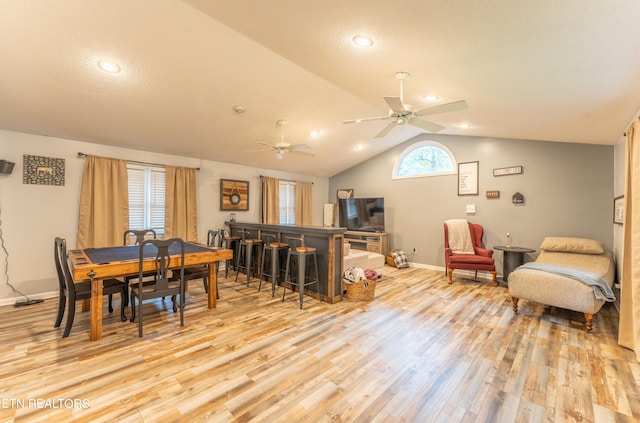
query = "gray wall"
{"x": 568, "y": 190}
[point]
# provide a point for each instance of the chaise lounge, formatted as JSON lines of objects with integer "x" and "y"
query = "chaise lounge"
{"x": 571, "y": 273}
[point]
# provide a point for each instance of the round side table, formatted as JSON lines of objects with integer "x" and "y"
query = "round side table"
{"x": 513, "y": 257}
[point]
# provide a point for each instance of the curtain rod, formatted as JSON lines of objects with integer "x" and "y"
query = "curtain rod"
{"x": 83, "y": 156}
{"x": 286, "y": 180}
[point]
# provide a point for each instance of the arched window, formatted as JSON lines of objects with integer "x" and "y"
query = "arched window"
{"x": 425, "y": 158}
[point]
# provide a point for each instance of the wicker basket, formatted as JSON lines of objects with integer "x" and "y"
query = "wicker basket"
{"x": 363, "y": 290}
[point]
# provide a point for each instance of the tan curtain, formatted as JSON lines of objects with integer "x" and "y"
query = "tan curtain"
{"x": 629, "y": 327}
{"x": 304, "y": 203}
{"x": 104, "y": 203}
{"x": 270, "y": 200}
{"x": 181, "y": 207}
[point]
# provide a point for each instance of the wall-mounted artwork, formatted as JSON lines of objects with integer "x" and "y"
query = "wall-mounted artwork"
{"x": 513, "y": 170}
{"x": 618, "y": 210}
{"x": 234, "y": 195}
{"x": 345, "y": 193}
{"x": 41, "y": 170}
{"x": 468, "y": 178}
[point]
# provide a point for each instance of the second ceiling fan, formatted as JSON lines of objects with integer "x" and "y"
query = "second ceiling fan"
{"x": 401, "y": 113}
{"x": 283, "y": 147}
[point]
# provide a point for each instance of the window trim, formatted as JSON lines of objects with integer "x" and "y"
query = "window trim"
{"x": 415, "y": 146}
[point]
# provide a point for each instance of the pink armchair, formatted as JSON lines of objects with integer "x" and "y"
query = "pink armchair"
{"x": 481, "y": 260}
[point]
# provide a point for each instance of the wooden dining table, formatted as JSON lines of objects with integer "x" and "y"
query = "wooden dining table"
{"x": 97, "y": 264}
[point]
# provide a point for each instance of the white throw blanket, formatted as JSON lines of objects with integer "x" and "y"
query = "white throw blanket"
{"x": 459, "y": 236}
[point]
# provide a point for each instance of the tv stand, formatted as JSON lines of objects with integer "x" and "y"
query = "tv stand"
{"x": 375, "y": 242}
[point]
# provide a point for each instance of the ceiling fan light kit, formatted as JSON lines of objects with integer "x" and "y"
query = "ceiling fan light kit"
{"x": 401, "y": 113}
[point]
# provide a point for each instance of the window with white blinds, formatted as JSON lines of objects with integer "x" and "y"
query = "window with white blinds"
{"x": 287, "y": 203}
{"x": 146, "y": 198}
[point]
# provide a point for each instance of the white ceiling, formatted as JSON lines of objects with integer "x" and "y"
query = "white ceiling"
{"x": 545, "y": 70}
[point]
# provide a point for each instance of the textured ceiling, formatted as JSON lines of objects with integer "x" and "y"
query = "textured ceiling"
{"x": 546, "y": 70}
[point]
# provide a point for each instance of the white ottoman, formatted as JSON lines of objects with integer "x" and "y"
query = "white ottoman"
{"x": 356, "y": 258}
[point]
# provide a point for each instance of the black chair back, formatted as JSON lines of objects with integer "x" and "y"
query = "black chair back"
{"x": 215, "y": 238}
{"x": 65, "y": 281}
{"x": 162, "y": 262}
{"x": 140, "y": 235}
{"x": 57, "y": 247}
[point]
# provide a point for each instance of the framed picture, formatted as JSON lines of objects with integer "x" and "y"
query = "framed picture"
{"x": 503, "y": 171}
{"x": 618, "y": 210}
{"x": 234, "y": 195}
{"x": 41, "y": 170}
{"x": 345, "y": 193}
{"x": 468, "y": 178}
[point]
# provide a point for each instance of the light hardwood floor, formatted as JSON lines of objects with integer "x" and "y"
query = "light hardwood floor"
{"x": 421, "y": 351}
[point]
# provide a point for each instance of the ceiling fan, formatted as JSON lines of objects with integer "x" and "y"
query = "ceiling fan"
{"x": 401, "y": 113}
{"x": 283, "y": 147}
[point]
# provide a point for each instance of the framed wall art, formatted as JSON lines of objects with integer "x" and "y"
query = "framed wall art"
{"x": 234, "y": 195}
{"x": 41, "y": 170}
{"x": 345, "y": 193}
{"x": 503, "y": 171}
{"x": 468, "y": 178}
{"x": 618, "y": 210}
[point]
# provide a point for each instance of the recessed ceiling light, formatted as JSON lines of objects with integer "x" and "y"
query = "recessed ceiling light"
{"x": 362, "y": 41}
{"x": 359, "y": 147}
{"x": 315, "y": 133}
{"x": 109, "y": 66}
{"x": 431, "y": 98}
{"x": 464, "y": 125}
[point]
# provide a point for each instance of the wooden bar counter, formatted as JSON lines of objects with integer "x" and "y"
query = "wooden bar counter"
{"x": 328, "y": 243}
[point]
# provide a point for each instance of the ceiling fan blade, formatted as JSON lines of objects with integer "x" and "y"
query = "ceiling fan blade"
{"x": 267, "y": 144}
{"x": 308, "y": 153}
{"x": 386, "y": 130}
{"x": 395, "y": 104}
{"x": 426, "y": 125}
{"x": 261, "y": 150}
{"x": 298, "y": 147}
{"x": 442, "y": 108}
{"x": 366, "y": 119}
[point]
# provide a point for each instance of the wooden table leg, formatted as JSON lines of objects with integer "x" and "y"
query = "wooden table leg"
{"x": 96, "y": 309}
{"x": 86, "y": 305}
{"x": 213, "y": 285}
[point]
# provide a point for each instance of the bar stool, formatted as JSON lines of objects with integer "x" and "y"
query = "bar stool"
{"x": 230, "y": 243}
{"x": 273, "y": 249}
{"x": 246, "y": 250}
{"x": 301, "y": 253}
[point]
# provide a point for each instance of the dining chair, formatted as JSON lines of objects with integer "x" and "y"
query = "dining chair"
{"x": 162, "y": 285}
{"x": 135, "y": 237}
{"x": 77, "y": 291}
{"x": 214, "y": 239}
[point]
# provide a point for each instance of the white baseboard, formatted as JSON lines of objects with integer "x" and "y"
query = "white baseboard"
{"x": 466, "y": 273}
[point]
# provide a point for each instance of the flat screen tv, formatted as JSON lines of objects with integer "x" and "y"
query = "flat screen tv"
{"x": 361, "y": 214}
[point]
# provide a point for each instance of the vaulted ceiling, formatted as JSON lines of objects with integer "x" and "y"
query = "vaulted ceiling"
{"x": 547, "y": 70}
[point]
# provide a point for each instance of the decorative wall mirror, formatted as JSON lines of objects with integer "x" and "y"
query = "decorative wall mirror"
{"x": 234, "y": 195}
